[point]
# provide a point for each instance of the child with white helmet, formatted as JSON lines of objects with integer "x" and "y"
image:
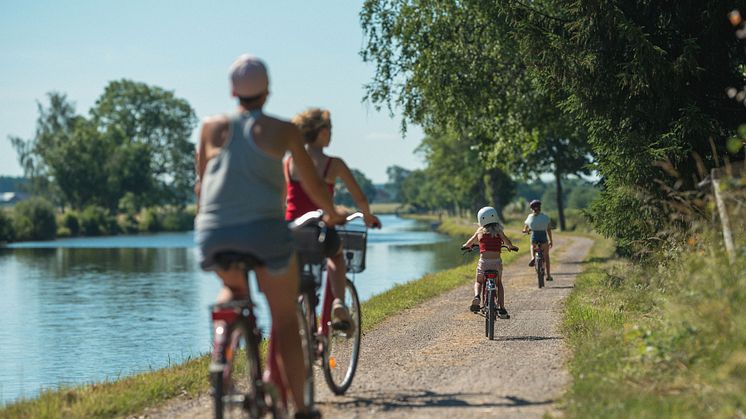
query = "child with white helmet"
{"x": 490, "y": 237}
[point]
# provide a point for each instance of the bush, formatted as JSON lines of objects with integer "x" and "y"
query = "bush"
{"x": 70, "y": 222}
{"x": 178, "y": 220}
{"x": 95, "y": 221}
{"x": 7, "y": 232}
{"x": 150, "y": 220}
{"x": 127, "y": 223}
{"x": 34, "y": 219}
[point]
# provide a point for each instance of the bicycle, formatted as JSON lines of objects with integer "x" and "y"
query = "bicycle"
{"x": 539, "y": 263}
{"x": 234, "y": 325}
{"x": 489, "y": 295}
{"x": 336, "y": 350}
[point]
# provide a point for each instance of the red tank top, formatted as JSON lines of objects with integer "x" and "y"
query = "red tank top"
{"x": 298, "y": 202}
{"x": 490, "y": 243}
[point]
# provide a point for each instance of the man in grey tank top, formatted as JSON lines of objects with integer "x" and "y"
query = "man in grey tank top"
{"x": 240, "y": 192}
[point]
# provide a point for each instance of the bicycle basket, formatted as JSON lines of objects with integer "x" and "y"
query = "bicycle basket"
{"x": 306, "y": 243}
{"x": 354, "y": 243}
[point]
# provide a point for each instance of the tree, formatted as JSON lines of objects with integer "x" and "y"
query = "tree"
{"x": 397, "y": 175}
{"x": 155, "y": 123}
{"x": 343, "y": 197}
{"x": 646, "y": 80}
{"x": 136, "y": 141}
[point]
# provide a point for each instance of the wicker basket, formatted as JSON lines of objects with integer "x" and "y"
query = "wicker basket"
{"x": 354, "y": 243}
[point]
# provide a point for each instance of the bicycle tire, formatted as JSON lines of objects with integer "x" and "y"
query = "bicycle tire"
{"x": 236, "y": 389}
{"x": 309, "y": 348}
{"x": 540, "y": 269}
{"x": 342, "y": 351}
{"x": 491, "y": 311}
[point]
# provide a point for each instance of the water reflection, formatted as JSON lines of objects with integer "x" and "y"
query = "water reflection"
{"x": 77, "y": 311}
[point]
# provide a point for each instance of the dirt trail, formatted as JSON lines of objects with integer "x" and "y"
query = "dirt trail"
{"x": 429, "y": 361}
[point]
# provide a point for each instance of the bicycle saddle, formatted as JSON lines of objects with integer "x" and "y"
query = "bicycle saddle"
{"x": 227, "y": 260}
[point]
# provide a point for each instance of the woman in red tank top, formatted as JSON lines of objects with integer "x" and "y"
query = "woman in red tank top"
{"x": 490, "y": 237}
{"x": 316, "y": 127}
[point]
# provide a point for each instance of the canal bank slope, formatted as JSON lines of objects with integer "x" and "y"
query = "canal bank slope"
{"x": 432, "y": 360}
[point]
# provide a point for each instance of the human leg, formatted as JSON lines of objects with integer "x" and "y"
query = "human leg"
{"x": 545, "y": 251}
{"x": 235, "y": 286}
{"x": 281, "y": 290}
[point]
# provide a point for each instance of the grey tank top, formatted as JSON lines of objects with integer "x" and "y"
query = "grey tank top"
{"x": 242, "y": 183}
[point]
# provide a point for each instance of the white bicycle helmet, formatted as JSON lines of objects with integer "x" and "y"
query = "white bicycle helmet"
{"x": 487, "y": 215}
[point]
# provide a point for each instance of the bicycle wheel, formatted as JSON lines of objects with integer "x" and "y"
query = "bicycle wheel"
{"x": 309, "y": 349}
{"x": 236, "y": 389}
{"x": 540, "y": 269}
{"x": 341, "y": 355}
{"x": 490, "y": 315}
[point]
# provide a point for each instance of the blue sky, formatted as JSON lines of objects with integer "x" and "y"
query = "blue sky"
{"x": 310, "y": 47}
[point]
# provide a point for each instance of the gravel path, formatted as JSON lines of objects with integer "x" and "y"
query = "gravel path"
{"x": 430, "y": 361}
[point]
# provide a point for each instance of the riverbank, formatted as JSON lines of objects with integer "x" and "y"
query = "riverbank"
{"x": 133, "y": 394}
{"x": 663, "y": 341}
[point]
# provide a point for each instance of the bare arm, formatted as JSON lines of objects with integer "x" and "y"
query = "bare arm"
{"x": 506, "y": 240}
{"x": 358, "y": 196}
{"x": 471, "y": 239}
{"x": 549, "y": 233}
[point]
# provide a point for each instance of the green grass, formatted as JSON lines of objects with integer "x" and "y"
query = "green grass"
{"x": 658, "y": 341}
{"x": 115, "y": 398}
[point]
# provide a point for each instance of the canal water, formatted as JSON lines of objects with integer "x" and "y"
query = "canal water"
{"x": 87, "y": 310}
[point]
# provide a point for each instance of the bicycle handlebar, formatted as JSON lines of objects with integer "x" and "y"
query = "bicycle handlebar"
{"x": 469, "y": 249}
{"x": 315, "y": 217}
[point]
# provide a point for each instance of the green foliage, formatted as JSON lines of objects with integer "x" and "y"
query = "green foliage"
{"x": 96, "y": 221}
{"x": 136, "y": 141}
{"x": 643, "y": 83}
{"x": 343, "y": 197}
{"x": 397, "y": 175}
{"x": 175, "y": 219}
{"x": 455, "y": 179}
{"x": 646, "y": 344}
{"x": 150, "y": 220}
{"x": 34, "y": 219}
{"x": 7, "y": 231}
{"x": 12, "y": 184}
{"x": 71, "y": 222}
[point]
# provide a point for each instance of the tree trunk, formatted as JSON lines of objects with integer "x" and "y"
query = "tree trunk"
{"x": 560, "y": 204}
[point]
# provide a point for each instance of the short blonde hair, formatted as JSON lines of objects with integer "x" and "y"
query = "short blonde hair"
{"x": 311, "y": 121}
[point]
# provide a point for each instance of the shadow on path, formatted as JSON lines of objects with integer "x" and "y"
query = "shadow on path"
{"x": 388, "y": 400}
{"x": 527, "y": 338}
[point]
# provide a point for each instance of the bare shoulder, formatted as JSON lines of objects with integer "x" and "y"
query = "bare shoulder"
{"x": 214, "y": 128}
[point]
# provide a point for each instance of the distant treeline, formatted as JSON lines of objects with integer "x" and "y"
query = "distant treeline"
{"x": 12, "y": 183}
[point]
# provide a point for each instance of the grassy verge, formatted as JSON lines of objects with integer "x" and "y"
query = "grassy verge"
{"x": 658, "y": 341}
{"x": 133, "y": 394}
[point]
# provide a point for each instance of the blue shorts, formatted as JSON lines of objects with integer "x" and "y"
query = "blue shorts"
{"x": 539, "y": 237}
{"x": 267, "y": 240}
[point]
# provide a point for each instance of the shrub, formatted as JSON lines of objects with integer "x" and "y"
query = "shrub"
{"x": 7, "y": 232}
{"x": 94, "y": 221}
{"x": 178, "y": 220}
{"x": 70, "y": 222}
{"x": 34, "y": 219}
{"x": 150, "y": 220}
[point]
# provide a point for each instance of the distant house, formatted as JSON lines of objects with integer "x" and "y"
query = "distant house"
{"x": 11, "y": 198}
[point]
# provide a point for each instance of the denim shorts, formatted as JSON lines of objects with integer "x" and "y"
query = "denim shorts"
{"x": 268, "y": 240}
{"x": 539, "y": 237}
{"x": 489, "y": 265}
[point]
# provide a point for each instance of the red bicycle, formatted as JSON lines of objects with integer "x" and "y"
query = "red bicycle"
{"x": 336, "y": 351}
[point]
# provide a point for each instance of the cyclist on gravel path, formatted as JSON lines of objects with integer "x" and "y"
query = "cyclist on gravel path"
{"x": 316, "y": 127}
{"x": 239, "y": 191}
{"x": 490, "y": 237}
{"x": 541, "y": 233}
